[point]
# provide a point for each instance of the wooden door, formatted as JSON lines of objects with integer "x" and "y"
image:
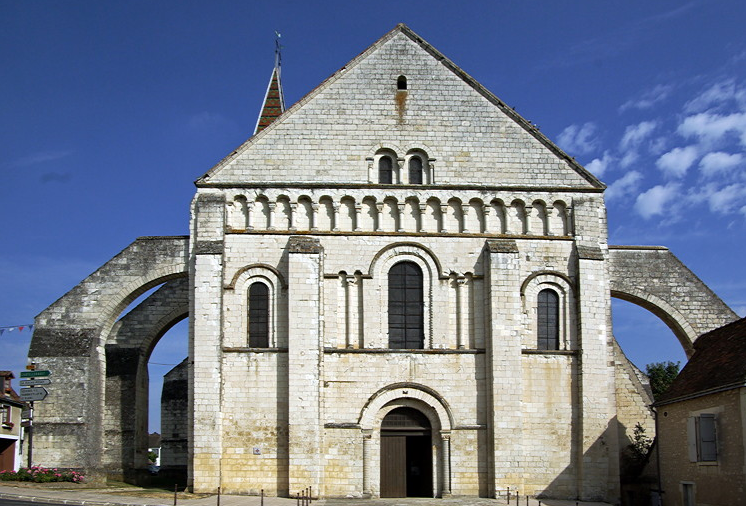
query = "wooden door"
{"x": 7, "y": 454}
{"x": 393, "y": 466}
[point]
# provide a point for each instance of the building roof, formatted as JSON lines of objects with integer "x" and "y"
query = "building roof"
{"x": 718, "y": 363}
{"x": 8, "y": 394}
{"x": 274, "y": 102}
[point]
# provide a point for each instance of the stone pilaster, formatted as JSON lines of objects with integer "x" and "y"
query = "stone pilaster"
{"x": 304, "y": 357}
{"x": 502, "y": 295}
{"x": 205, "y": 396}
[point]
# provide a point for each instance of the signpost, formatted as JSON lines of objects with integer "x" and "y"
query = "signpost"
{"x": 35, "y": 382}
{"x": 34, "y": 374}
{"x": 33, "y": 394}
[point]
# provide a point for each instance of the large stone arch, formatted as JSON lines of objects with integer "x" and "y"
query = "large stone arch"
{"x": 128, "y": 349}
{"x": 652, "y": 277}
{"x": 69, "y": 340}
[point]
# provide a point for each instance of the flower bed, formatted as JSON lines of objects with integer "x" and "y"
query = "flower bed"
{"x": 38, "y": 474}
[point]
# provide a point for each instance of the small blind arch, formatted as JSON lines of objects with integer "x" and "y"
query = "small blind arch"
{"x": 258, "y": 315}
{"x": 548, "y": 320}
{"x": 401, "y": 83}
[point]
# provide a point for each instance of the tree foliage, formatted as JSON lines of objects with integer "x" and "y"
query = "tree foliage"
{"x": 661, "y": 376}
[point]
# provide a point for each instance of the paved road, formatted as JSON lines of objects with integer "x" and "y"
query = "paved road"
{"x": 29, "y": 496}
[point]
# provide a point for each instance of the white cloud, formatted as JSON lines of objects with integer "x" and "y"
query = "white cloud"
{"x": 635, "y": 134}
{"x": 598, "y": 166}
{"x": 654, "y": 201}
{"x": 709, "y": 128}
{"x": 724, "y": 200}
{"x": 623, "y": 186}
{"x": 648, "y": 99}
{"x": 719, "y": 162}
{"x": 715, "y": 95}
{"x": 676, "y": 162}
{"x": 578, "y": 139}
{"x": 40, "y": 157}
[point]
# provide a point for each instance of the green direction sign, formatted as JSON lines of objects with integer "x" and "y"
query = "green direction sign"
{"x": 33, "y": 374}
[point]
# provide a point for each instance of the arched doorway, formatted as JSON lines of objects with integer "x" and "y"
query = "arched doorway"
{"x": 406, "y": 454}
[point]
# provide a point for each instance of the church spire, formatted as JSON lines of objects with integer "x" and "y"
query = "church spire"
{"x": 274, "y": 100}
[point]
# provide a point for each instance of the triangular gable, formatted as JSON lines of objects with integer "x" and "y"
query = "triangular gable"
{"x": 474, "y": 136}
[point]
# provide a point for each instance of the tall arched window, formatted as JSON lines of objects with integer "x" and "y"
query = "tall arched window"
{"x": 415, "y": 170}
{"x": 406, "y": 307}
{"x": 385, "y": 170}
{"x": 548, "y": 320}
{"x": 258, "y": 315}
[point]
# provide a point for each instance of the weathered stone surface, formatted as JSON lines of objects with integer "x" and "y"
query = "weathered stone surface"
{"x": 655, "y": 279}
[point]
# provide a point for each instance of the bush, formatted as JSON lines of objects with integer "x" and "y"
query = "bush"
{"x": 38, "y": 474}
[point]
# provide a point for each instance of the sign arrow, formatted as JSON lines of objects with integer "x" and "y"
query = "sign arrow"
{"x": 35, "y": 382}
{"x": 34, "y": 374}
{"x": 33, "y": 394}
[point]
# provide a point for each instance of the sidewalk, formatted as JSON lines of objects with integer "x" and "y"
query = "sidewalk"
{"x": 129, "y": 497}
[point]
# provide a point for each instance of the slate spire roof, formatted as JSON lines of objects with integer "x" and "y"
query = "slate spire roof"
{"x": 718, "y": 363}
{"x": 274, "y": 100}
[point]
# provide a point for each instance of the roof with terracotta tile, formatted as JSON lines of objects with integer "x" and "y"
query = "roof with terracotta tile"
{"x": 718, "y": 363}
{"x": 274, "y": 102}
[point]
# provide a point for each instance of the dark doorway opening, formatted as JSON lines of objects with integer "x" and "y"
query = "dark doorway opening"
{"x": 406, "y": 454}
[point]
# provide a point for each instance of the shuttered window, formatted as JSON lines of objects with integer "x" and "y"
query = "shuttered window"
{"x": 258, "y": 315}
{"x": 708, "y": 451}
{"x": 406, "y": 307}
{"x": 702, "y": 438}
{"x": 415, "y": 170}
{"x": 548, "y": 320}
{"x": 385, "y": 170}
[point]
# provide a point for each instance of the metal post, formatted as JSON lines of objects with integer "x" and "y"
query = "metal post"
{"x": 175, "y": 494}
{"x": 30, "y": 433}
{"x": 262, "y": 500}
{"x": 218, "y": 496}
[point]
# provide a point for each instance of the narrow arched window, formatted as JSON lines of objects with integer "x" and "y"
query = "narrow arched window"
{"x": 406, "y": 307}
{"x": 548, "y": 320}
{"x": 385, "y": 170}
{"x": 401, "y": 83}
{"x": 258, "y": 315}
{"x": 415, "y": 170}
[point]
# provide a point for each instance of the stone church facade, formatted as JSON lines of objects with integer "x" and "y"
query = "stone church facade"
{"x": 398, "y": 287}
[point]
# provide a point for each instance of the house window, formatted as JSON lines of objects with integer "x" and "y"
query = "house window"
{"x": 548, "y": 320}
{"x": 385, "y": 170}
{"x": 415, "y": 170}
{"x": 406, "y": 307}
{"x": 258, "y": 315}
{"x": 703, "y": 438}
{"x": 401, "y": 83}
{"x": 5, "y": 415}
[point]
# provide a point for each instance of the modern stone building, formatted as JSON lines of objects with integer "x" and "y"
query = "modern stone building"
{"x": 397, "y": 287}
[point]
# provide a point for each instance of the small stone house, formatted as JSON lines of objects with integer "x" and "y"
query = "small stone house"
{"x": 10, "y": 424}
{"x": 702, "y": 423}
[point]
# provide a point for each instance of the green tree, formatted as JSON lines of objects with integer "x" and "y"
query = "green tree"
{"x": 152, "y": 457}
{"x": 661, "y": 376}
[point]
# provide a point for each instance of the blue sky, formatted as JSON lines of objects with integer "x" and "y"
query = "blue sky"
{"x": 110, "y": 110}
